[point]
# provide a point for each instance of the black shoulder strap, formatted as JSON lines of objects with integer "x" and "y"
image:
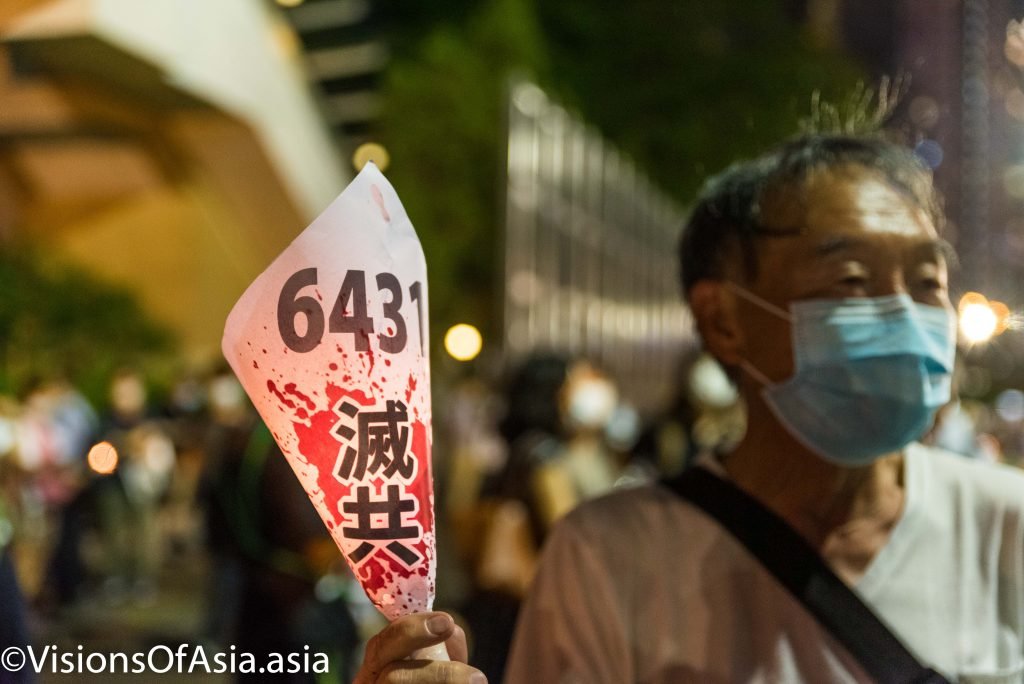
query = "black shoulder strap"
{"x": 799, "y": 568}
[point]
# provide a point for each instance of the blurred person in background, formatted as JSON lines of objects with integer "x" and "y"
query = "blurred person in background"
{"x": 187, "y": 419}
{"x": 285, "y": 553}
{"x": 276, "y": 585}
{"x": 557, "y": 411}
{"x": 13, "y": 624}
{"x": 232, "y": 422}
{"x": 705, "y": 416}
{"x": 126, "y": 502}
{"x": 817, "y": 277}
{"x": 54, "y": 431}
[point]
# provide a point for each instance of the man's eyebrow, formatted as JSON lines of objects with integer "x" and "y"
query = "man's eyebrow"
{"x": 836, "y": 243}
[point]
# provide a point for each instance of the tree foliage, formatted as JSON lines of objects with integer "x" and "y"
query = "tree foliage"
{"x": 682, "y": 86}
{"x": 60, "y": 320}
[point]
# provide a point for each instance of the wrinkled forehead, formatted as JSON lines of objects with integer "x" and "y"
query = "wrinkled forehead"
{"x": 850, "y": 196}
{"x": 835, "y": 210}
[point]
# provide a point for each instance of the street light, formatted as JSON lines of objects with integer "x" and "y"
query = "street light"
{"x": 102, "y": 458}
{"x": 982, "y": 319}
{"x": 463, "y": 342}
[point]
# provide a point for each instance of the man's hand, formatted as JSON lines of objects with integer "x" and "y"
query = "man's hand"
{"x": 387, "y": 654}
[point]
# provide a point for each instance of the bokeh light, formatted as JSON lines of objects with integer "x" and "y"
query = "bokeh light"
{"x": 978, "y": 323}
{"x": 103, "y": 458}
{"x": 463, "y": 342}
{"x": 982, "y": 319}
{"x": 1002, "y": 313}
{"x": 368, "y": 152}
{"x": 1010, "y": 405}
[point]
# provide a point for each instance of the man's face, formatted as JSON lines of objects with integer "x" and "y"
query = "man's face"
{"x": 857, "y": 237}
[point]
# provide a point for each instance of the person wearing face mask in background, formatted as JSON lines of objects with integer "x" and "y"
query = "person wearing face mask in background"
{"x": 817, "y": 278}
{"x": 557, "y": 410}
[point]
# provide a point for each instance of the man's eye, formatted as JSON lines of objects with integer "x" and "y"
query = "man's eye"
{"x": 931, "y": 284}
{"x": 854, "y": 281}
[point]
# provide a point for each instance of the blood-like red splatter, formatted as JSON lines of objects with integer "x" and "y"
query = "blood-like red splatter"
{"x": 321, "y": 449}
{"x": 423, "y": 485}
{"x": 290, "y": 389}
{"x": 368, "y": 352}
{"x": 378, "y": 198}
{"x": 255, "y": 365}
{"x": 280, "y": 397}
{"x": 410, "y": 388}
{"x": 387, "y": 362}
{"x": 333, "y": 366}
{"x": 378, "y": 571}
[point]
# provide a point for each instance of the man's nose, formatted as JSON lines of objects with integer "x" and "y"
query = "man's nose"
{"x": 893, "y": 281}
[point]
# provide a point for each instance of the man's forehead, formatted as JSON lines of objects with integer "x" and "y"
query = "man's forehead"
{"x": 849, "y": 195}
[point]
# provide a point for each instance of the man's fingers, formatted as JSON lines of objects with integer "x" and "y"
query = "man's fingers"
{"x": 405, "y": 635}
{"x": 430, "y": 671}
{"x": 456, "y": 645}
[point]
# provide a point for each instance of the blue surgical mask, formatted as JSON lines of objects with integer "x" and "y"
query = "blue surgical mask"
{"x": 870, "y": 373}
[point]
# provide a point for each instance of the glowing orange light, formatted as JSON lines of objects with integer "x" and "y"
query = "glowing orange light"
{"x": 1002, "y": 313}
{"x": 103, "y": 458}
{"x": 972, "y": 298}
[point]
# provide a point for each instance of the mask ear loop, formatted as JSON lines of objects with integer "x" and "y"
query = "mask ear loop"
{"x": 763, "y": 303}
{"x": 745, "y": 365}
{"x": 757, "y": 375}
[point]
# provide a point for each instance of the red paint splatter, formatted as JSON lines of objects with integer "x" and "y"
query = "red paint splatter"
{"x": 423, "y": 485}
{"x": 378, "y": 198}
{"x": 387, "y": 362}
{"x": 379, "y": 570}
{"x": 290, "y": 389}
{"x": 321, "y": 449}
{"x": 318, "y": 295}
{"x": 255, "y": 365}
{"x": 264, "y": 351}
{"x": 333, "y": 366}
{"x": 369, "y": 352}
{"x": 410, "y": 388}
{"x": 277, "y": 393}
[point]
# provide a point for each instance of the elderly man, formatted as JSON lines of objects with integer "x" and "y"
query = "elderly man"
{"x": 817, "y": 277}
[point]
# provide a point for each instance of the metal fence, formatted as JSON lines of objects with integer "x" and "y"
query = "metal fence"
{"x": 590, "y": 253}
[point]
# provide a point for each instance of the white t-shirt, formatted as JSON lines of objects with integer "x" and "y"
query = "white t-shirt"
{"x": 640, "y": 586}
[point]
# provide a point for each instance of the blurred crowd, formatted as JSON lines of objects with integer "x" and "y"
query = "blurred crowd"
{"x": 96, "y": 501}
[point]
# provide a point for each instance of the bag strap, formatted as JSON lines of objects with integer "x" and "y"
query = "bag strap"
{"x": 800, "y": 568}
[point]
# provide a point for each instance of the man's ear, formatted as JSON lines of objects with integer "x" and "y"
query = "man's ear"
{"x": 714, "y": 310}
